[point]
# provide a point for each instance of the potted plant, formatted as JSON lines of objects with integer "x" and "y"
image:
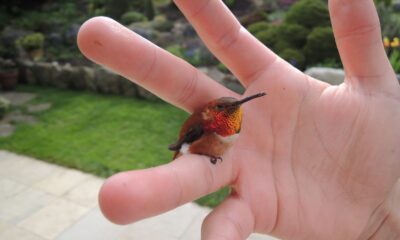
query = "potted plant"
{"x": 32, "y": 44}
{"x": 8, "y": 74}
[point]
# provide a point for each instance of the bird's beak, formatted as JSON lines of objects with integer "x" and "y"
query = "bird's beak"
{"x": 246, "y": 99}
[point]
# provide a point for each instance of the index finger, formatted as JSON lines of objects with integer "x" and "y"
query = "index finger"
{"x": 110, "y": 44}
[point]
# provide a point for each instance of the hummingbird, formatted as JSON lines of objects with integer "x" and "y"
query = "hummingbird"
{"x": 211, "y": 130}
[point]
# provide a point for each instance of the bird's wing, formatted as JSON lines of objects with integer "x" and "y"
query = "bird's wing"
{"x": 191, "y": 135}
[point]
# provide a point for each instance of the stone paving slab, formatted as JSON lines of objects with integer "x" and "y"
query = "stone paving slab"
{"x": 54, "y": 218}
{"x": 16, "y": 233}
{"x": 42, "y": 201}
{"x": 18, "y": 98}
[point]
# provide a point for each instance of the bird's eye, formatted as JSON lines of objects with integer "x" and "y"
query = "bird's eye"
{"x": 219, "y": 107}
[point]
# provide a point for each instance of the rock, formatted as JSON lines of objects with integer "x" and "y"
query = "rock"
{"x": 71, "y": 34}
{"x": 213, "y": 73}
{"x": 55, "y": 39}
{"x": 396, "y": 6}
{"x": 25, "y": 71}
{"x": 162, "y": 24}
{"x": 17, "y": 117}
{"x": 227, "y": 80}
{"x": 233, "y": 84}
{"x": 4, "y": 106}
{"x": 18, "y": 98}
{"x": 329, "y": 75}
{"x": 68, "y": 76}
{"x": 6, "y": 129}
{"x": 145, "y": 29}
{"x": 107, "y": 81}
{"x": 38, "y": 107}
{"x": 42, "y": 73}
{"x": 165, "y": 39}
{"x": 144, "y": 94}
{"x": 89, "y": 77}
{"x": 178, "y": 29}
{"x": 128, "y": 88}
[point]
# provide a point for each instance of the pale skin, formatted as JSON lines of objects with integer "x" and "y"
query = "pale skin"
{"x": 313, "y": 161}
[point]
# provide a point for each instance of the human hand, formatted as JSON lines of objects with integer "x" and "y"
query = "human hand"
{"x": 312, "y": 161}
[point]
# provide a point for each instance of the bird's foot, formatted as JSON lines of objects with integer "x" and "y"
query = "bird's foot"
{"x": 214, "y": 159}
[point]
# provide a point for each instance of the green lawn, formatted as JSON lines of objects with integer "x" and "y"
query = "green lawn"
{"x": 100, "y": 134}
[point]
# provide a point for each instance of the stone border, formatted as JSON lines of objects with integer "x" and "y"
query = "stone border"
{"x": 94, "y": 79}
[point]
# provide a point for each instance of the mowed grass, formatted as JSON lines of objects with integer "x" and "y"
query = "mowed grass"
{"x": 100, "y": 134}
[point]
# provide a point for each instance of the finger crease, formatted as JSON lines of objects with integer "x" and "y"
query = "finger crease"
{"x": 229, "y": 38}
{"x": 147, "y": 76}
{"x": 359, "y": 31}
{"x": 179, "y": 186}
{"x": 189, "y": 89}
{"x": 199, "y": 10}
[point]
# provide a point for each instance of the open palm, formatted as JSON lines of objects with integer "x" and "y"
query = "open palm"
{"x": 312, "y": 160}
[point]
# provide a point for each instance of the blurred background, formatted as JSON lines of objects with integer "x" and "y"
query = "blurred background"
{"x": 57, "y": 106}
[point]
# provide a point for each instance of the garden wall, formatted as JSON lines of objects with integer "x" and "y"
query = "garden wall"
{"x": 94, "y": 79}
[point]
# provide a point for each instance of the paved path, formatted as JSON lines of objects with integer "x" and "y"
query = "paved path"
{"x": 41, "y": 201}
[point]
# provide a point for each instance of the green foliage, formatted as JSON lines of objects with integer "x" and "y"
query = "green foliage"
{"x": 176, "y": 50}
{"x": 4, "y": 107}
{"x": 229, "y": 3}
{"x": 149, "y": 10}
{"x": 294, "y": 57}
{"x": 116, "y": 8}
{"x": 280, "y": 37}
{"x": 269, "y": 37}
{"x": 394, "y": 59}
{"x": 161, "y": 23}
{"x": 321, "y": 46}
{"x": 385, "y": 2}
{"x": 293, "y": 34}
{"x": 222, "y": 68}
{"x": 63, "y": 14}
{"x": 132, "y": 16}
{"x": 390, "y": 21}
{"x": 258, "y": 27}
{"x": 197, "y": 57}
{"x": 31, "y": 41}
{"x": 216, "y": 198}
{"x": 308, "y": 13}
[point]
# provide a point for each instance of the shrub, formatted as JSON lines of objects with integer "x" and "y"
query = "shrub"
{"x": 294, "y": 57}
{"x": 258, "y": 27}
{"x": 294, "y": 34}
{"x": 229, "y": 3}
{"x": 269, "y": 37}
{"x": 283, "y": 36}
{"x": 31, "y": 41}
{"x": 161, "y": 23}
{"x": 308, "y": 13}
{"x": 321, "y": 46}
{"x": 176, "y": 50}
{"x": 149, "y": 10}
{"x": 390, "y": 22}
{"x": 131, "y": 17}
{"x": 116, "y": 8}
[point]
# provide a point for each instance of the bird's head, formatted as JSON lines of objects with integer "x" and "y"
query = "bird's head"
{"x": 224, "y": 115}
